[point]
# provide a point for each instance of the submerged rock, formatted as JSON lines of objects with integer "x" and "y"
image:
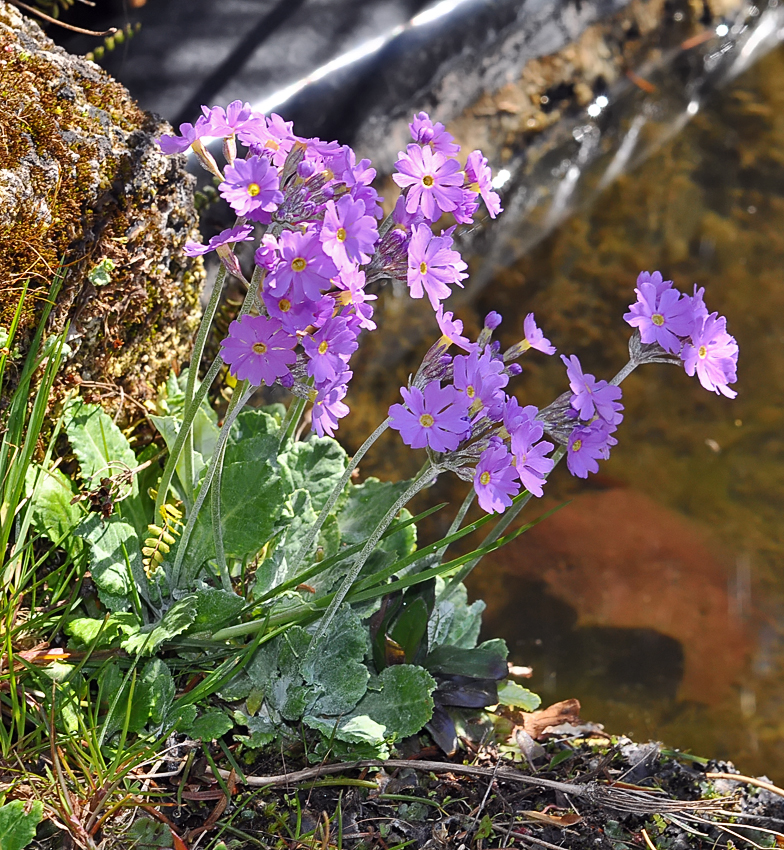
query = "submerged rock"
{"x": 83, "y": 182}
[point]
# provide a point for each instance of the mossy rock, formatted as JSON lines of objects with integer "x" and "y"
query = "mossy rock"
{"x": 82, "y": 180}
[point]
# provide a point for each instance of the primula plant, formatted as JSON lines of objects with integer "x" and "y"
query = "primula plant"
{"x": 253, "y": 587}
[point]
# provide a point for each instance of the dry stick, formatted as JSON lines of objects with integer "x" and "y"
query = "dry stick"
{"x": 749, "y": 780}
{"x": 594, "y": 792}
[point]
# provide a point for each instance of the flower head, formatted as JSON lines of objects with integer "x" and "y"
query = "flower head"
{"x": 433, "y": 265}
{"x": 348, "y": 234}
{"x": 433, "y": 181}
{"x": 328, "y": 407}
{"x": 480, "y": 180}
{"x": 495, "y": 480}
{"x": 238, "y": 233}
{"x": 435, "y": 417}
{"x": 534, "y": 338}
{"x": 662, "y": 314}
{"x": 251, "y": 185}
{"x": 713, "y": 354}
{"x": 329, "y": 349}
{"x": 237, "y": 117}
{"x": 481, "y": 378}
{"x": 425, "y": 132}
{"x": 590, "y": 396}
{"x": 452, "y": 330}
{"x": 303, "y": 265}
{"x": 189, "y": 133}
{"x": 531, "y": 462}
{"x": 258, "y": 350}
{"x": 587, "y": 444}
{"x": 352, "y": 282}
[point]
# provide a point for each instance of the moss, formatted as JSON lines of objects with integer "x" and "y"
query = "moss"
{"x": 83, "y": 181}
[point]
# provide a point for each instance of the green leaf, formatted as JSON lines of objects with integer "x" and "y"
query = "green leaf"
{"x": 205, "y": 436}
{"x": 17, "y": 828}
{"x": 401, "y": 700}
{"x": 487, "y": 661}
{"x": 146, "y": 834}
{"x": 209, "y": 725}
{"x": 53, "y": 513}
{"x": 276, "y": 670}
{"x": 115, "y": 696}
{"x": 335, "y": 664}
{"x": 252, "y": 494}
{"x": 298, "y": 516}
{"x": 216, "y": 608}
{"x": 99, "y": 445}
{"x": 401, "y": 543}
{"x": 101, "y": 275}
{"x": 157, "y": 677}
{"x": 354, "y": 730}
{"x": 454, "y": 622}
{"x": 366, "y": 506}
{"x": 100, "y": 634}
{"x": 317, "y": 466}
{"x": 175, "y": 621}
{"x": 510, "y": 693}
{"x": 115, "y": 560}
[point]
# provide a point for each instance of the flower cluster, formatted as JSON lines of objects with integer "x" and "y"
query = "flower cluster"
{"x": 682, "y": 326}
{"x": 458, "y": 407}
{"x": 315, "y": 215}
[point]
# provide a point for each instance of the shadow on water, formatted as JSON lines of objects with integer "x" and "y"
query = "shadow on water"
{"x": 657, "y": 595}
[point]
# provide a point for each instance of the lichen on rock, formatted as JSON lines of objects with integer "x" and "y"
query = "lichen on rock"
{"x": 82, "y": 181}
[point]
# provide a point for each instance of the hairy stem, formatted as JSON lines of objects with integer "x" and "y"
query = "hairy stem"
{"x": 426, "y": 476}
{"x": 335, "y": 495}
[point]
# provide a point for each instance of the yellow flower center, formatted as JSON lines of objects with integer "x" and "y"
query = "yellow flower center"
{"x": 259, "y": 348}
{"x": 657, "y": 319}
{"x": 341, "y": 234}
{"x": 323, "y": 346}
{"x": 484, "y": 478}
{"x": 271, "y": 144}
{"x": 299, "y": 264}
{"x": 284, "y": 304}
{"x": 426, "y": 420}
{"x": 423, "y": 267}
{"x": 702, "y": 352}
{"x": 474, "y": 187}
{"x": 428, "y": 180}
{"x": 576, "y": 445}
{"x": 253, "y": 189}
{"x": 470, "y": 392}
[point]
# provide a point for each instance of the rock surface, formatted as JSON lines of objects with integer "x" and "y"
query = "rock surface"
{"x": 83, "y": 181}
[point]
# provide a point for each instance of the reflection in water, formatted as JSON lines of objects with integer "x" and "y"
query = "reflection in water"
{"x": 707, "y": 207}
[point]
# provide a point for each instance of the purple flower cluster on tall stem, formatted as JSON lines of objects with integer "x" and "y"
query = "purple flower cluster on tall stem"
{"x": 320, "y": 246}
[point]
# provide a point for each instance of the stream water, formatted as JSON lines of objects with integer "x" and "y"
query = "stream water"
{"x": 656, "y": 596}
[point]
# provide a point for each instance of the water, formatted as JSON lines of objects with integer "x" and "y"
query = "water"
{"x": 657, "y": 595}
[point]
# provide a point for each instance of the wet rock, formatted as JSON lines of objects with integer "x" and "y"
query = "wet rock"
{"x": 620, "y": 560}
{"x": 84, "y": 182}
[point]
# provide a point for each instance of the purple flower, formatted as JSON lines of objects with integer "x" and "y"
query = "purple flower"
{"x": 699, "y": 310}
{"x": 495, "y": 480}
{"x": 590, "y": 396}
{"x": 493, "y": 320}
{"x": 348, "y": 234}
{"x": 251, "y": 185}
{"x": 436, "y": 417}
{"x": 452, "y": 330}
{"x": 586, "y": 445}
{"x": 274, "y": 140}
{"x": 258, "y": 350}
{"x": 425, "y": 132}
{"x": 466, "y": 209}
{"x": 354, "y": 295}
{"x": 237, "y": 117}
{"x": 433, "y": 181}
{"x": 656, "y": 279}
{"x": 328, "y": 407}
{"x": 358, "y": 176}
{"x": 304, "y": 266}
{"x": 482, "y": 379}
{"x": 534, "y": 338}
{"x": 238, "y": 233}
{"x": 266, "y": 255}
{"x": 329, "y": 349}
{"x": 480, "y": 179}
{"x": 297, "y": 314}
{"x": 514, "y": 415}
{"x": 433, "y": 265}
{"x": 661, "y": 315}
{"x": 189, "y": 134}
{"x": 713, "y": 355}
{"x": 531, "y": 462}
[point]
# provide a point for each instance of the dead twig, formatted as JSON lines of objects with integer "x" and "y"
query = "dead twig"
{"x": 748, "y": 780}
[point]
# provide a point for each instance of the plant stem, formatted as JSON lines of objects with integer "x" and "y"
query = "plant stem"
{"x": 499, "y": 528}
{"x": 458, "y": 520}
{"x": 426, "y": 476}
{"x": 193, "y": 370}
{"x": 205, "y": 487}
{"x": 625, "y": 372}
{"x": 335, "y": 495}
